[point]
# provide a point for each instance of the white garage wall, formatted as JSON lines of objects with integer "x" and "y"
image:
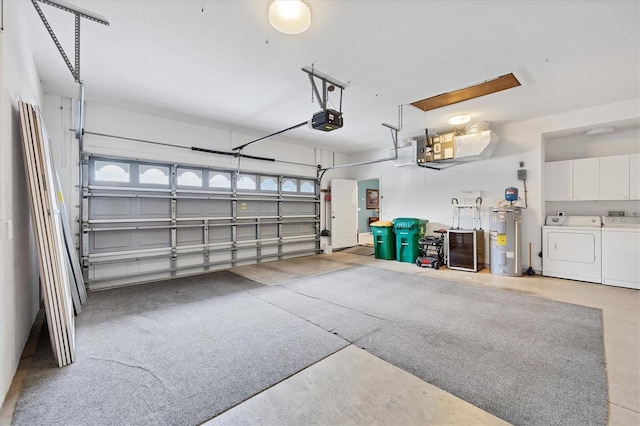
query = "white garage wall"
{"x": 19, "y": 295}
{"x": 424, "y": 193}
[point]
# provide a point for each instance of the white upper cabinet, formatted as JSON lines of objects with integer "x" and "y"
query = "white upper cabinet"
{"x": 586, "y": 179}
{"x": 559, "y": 178}
{"x": 614, "y": 177}
{"x": 634, "y": 176}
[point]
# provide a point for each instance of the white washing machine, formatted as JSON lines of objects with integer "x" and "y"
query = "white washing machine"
{"x": 572, "y": 248}
{"x": 621, "y": 251}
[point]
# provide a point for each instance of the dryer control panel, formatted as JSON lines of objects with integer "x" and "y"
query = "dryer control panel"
{"x": 590, "y": 221}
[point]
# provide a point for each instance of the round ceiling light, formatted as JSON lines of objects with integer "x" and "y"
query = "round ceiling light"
{"x": 459, "y": 119}
{"x": 289, "y": 16}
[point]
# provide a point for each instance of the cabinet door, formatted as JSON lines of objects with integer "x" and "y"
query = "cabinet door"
{"x": 614, "y": 177}
{"x": 586, "y": 179}
{"x": 634, "y": 176}
{"x": 558, "y": 180}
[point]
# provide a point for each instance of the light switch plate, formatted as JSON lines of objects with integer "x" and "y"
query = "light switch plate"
{"x": 6, "y": 230}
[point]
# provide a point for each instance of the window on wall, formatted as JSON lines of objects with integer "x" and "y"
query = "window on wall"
{"x": 152, "y": 174}
{"x": 189, "y": 177}
{"x": 220, "y": 180}
{"x": 112, "y": 171}
{"x": 246, "y": 181}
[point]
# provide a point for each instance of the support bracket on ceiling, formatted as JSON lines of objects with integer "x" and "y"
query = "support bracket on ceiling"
{"x": 78, "y": 13}
{"x": 325, "y": 79}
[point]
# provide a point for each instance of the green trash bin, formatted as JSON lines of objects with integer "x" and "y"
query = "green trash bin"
{"x": 384, "y": 244}
{"x": 408, "y": 232}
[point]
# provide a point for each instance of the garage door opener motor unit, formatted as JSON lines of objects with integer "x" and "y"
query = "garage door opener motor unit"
{"x": 327, "y": 120}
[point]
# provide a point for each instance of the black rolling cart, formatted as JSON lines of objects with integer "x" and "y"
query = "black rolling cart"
{"x": 431, "y": 250}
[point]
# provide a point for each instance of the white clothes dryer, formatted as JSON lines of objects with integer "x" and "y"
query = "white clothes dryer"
{"x": 572, "y": 248}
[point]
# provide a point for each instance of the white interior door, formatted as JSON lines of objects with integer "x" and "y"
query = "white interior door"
{"x": 344, "y": 213}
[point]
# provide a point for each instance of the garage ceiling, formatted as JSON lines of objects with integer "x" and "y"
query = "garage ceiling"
{"x": 221, "y": 62}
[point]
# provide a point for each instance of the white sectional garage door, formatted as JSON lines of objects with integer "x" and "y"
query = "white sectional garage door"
{"x": 143, "y": 221}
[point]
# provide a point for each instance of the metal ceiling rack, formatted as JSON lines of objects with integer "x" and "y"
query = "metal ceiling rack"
{"x": 313, "y": 74}
{"x": 78, "y": 13}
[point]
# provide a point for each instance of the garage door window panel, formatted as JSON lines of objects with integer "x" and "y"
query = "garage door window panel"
{"x": 111, "y": 172}
{"x": 269, "y": 183}
{"x": 189, "y": 178}
{"x": 246, "y": 182}
{"x": 153, "y": 175}
{"x": 219, "y": 180}
{"x": 307, "y": 186}
{"x": 289, "y": 185}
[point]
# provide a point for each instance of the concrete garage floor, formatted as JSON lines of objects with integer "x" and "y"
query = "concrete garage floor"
{"x": 355, "y": 387}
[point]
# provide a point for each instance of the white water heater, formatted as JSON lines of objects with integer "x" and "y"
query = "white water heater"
{"x": 504, "y": 237}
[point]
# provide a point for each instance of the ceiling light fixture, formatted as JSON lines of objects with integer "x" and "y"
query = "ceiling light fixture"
{"x": 456, "y": 120}
{"x": 289, "y": 16}
{"x": 606, "y": 130}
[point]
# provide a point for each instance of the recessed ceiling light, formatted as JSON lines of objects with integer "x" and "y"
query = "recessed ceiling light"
{"x": 459, "y": 119}
{"x": 605, "y": 130}
{"x": 289, "y": 16}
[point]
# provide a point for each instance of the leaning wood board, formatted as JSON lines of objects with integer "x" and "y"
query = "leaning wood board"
{"x": 51, "y": 278}
{"x": 35, "y": 197}
{"x": 54, "y": 277}
{"x": 58, "y": 235}
{"x": 59, "y": 284}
